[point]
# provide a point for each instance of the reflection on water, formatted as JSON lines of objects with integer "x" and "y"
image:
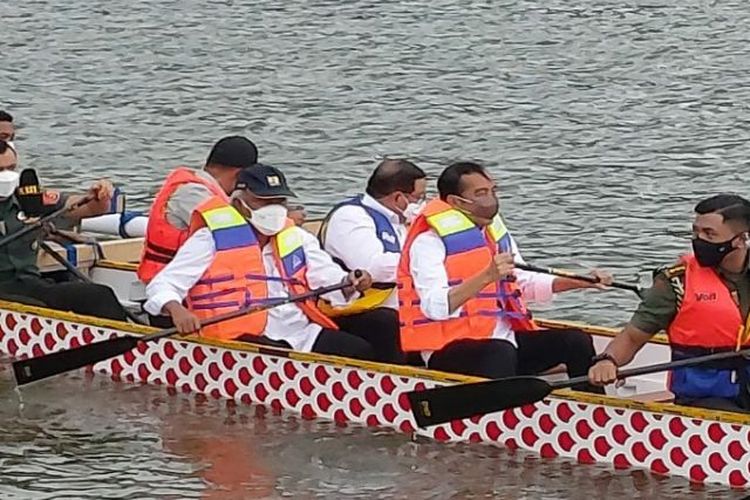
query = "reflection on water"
{"x": 604, "y": 122}
{"x": 88, "y": 437}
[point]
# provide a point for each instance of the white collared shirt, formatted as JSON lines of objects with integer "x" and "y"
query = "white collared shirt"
{"x": 351, "y": 236}
{"x": 427, "y": 265}
{"x": 287, "y": 322}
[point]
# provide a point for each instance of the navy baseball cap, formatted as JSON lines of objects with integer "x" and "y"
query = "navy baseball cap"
{"x": 233, "y": 151}
{"x": 264, "y": 181}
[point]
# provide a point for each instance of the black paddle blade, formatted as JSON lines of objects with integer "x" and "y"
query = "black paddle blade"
{"x": 33, "y": 369}
{"x": 453, "y": 402}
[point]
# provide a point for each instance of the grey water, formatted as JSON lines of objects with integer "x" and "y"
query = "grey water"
{"x": 602, "y": 121}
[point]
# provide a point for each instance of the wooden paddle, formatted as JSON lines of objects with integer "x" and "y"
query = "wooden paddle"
{"x": 33, "y": 369}
{"x": 454, "y": 402}
{"x": 580, "y": 277}
{"x": 33, "y": 226}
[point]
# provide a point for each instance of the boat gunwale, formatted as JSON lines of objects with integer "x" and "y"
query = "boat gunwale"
{"x": 398, "y": 370}
{"x": 116, "y": 265}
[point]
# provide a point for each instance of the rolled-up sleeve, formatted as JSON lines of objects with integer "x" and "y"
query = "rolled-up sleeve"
{"x": 322, "y": 270}
{"x": 536, "y": 287}
{"x": 427, "y": 266}
{"x": 180, "y": 275}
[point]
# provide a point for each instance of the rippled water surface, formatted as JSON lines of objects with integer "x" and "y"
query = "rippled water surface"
{"x": 603, "y": 121}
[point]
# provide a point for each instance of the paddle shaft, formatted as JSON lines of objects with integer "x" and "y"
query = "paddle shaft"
{"x": 580, "y": 277}
{"x": 661, "y": 367}
{"x": 78, "y": 274}
{"x": 39, "y": 223}
{"x": 249, "y": 310}
{"x": 38, "y": 368}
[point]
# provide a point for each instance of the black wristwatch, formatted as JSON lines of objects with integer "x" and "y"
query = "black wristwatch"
{"x": 603, "y": 356}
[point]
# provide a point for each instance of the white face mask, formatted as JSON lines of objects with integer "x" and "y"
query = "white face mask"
{"x": 8, "y": 183}
{"x": 269, "y": 220}
{"x": 412, "y": 210}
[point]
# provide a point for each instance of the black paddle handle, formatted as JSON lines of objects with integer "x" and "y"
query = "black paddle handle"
{"x": 39, "y": 223}
{"x": 579, "y": 277}
{"x": 661, "y": 367}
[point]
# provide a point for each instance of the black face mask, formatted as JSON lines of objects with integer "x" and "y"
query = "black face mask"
{"x": 710, "y": 254}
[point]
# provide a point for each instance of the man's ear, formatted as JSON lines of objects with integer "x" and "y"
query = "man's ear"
{"x": 239, "y": 205}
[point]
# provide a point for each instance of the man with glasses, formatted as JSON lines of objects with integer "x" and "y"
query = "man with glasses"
{"x": 366, "y": 232}
{"x": 462, "y": 304}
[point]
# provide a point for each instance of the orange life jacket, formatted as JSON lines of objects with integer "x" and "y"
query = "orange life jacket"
{"x": 162, "y": 238}
{"x": 708, "y": 320}
{"x": 235, "y": 278}
{"x": 469, "y": 251}
{"x": 292, "y": 264}
{"x": 708, "y": 316}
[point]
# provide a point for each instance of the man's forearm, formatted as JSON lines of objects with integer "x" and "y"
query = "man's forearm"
{"x": 460, "y": 294}
{"x": 171, "y": 307}
{"x": 90, "y": 209}
{"x": 626, "y": 344}
{"x": 564, "y": 284}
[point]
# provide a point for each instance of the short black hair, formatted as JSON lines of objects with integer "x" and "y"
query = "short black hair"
{"x": 5, "y": 116}
{"x": 393, "y": 175}
{"x": 449, "y": 181}
{"x": 732, "y": 208}
{"x": 233, "y": 151}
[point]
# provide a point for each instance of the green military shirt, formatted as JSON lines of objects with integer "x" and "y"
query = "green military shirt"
{"x": 660, "y": 302}
{"x": 18, "y": 258}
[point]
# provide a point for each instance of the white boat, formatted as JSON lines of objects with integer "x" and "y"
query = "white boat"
{"x": 634, "y": 426}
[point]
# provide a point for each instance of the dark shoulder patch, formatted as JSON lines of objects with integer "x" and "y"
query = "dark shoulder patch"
{"x": 675, "y": 277}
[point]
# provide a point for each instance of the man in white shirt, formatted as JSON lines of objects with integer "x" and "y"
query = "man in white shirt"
{"x": 366, "y": 232}
{"x": 463, "y": 304}
{"x": 261, "y": 198}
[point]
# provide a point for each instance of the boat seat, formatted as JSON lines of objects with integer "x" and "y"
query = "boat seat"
{"x": 654, "y": 397}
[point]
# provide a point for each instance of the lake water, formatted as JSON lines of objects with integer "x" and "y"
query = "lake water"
{"x": 603, "y": 121}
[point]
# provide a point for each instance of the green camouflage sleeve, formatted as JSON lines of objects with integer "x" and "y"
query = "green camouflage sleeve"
{"x": 659, "y": 304}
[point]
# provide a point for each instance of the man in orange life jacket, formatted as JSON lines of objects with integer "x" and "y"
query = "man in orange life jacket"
{"x": 702, "y": 302}
{"x": 462, "y": 305}
{"x": 184, "y": 190}
{"x": 227, "y": 263}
